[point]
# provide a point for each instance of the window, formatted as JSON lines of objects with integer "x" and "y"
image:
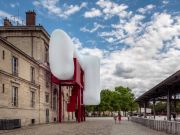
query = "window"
{"x": 32, "y": 98}
{"x": 3, "y": 55}
{"x": 54, "y": 119}
{"x": 48, "y": 79}
{"x": 33, "y": 74}
{"x": 14, "y": 96}
{"x": 46, "y": 54}
{"x": 47, "y": 97}
{"x": 32, "y": 121}
{"x": 14, "y": 65}
{"x": 54, "y": 102}
{"x": 3, "y": 88}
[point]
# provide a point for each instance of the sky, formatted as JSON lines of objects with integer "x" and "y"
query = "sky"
{"x": 137, "y": 41}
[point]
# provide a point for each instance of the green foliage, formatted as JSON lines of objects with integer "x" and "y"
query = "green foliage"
{"x": 89, "y": 108}
{"x": 119, "y": 99}
{"x": 161, "y": 107}
{"x": 177, "y": 106}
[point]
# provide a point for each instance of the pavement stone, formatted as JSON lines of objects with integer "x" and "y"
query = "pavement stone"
{"x": 93, "y": 126}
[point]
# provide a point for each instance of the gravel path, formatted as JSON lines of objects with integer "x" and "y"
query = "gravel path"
{"x": 93, "y": 126}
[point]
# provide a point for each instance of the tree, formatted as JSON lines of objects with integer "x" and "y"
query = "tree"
{"x": 119, "y": 99}
{"x": 106, "y": 97}
{"x": 126, "y": 99}
{"x": 89, "y": 108}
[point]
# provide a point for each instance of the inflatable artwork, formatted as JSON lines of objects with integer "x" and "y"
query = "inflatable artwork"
{"x": 62, "y": 52}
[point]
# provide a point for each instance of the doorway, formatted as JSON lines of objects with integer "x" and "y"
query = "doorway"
{"x": 47, "y": 115}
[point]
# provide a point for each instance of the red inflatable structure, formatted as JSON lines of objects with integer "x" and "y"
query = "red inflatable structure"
{"x": 75, "y": 103}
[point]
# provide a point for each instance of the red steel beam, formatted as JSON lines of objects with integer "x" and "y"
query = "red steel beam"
{"x": 78, "y": 83}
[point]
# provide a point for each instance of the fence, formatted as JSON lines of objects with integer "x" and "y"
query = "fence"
{"x": 6, "y": 124}
{"x": 170, "y": 127}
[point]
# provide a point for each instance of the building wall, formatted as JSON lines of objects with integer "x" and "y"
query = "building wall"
{"x": 66, "y": 93}
{"x": 33, "y": 43}
{"x": 41, "y": 86}
{"x": 23, "y": 111}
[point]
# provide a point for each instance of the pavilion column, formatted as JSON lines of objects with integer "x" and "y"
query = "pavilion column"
{"x": 145, "y": 106}
{"x": 169, "y": 105}
{"x": 174, "y": 103}
{"x": 154, "y": 113}
{"x": 79, "y": 104}
{"x": 140, "y": 109}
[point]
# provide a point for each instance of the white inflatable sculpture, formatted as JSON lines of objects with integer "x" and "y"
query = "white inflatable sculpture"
{"x": 61, "y": 53}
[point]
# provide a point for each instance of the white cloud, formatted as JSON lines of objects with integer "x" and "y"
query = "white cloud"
{"x": 13, "y": 5}
{"x": 110, "y": 40}
{"x": 146, "y": 9}
{"x": 73, "y": 9}
{"x": 125, "y": 28}
{"x": 77, "y": 42}
{"x": 108, "y": 9}
{"x": 36, "y": 3}
{"x": 152, "y": 56}
{"x": 92, "y": 13}
{"x": 111, "y": 8}
{"x": 165, "y": 2}
{"x": 153, "y": 47}
{"x": 53, "y": 8}
{"x": 133, "y": 25}
{"x": 96, "y": 26}
{"x": 87, "y": 51}
{"x": 92, "y": 51}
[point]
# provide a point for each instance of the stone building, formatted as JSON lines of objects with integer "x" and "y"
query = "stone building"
{"x": 26, "y": 91}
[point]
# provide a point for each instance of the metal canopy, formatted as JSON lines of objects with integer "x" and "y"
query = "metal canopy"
{"x": 171, "y": 83}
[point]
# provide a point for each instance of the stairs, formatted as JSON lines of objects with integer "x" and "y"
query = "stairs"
{"x": 71, "y": 106}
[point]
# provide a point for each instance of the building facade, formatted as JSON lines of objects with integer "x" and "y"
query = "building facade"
{"x": 26, "y": 90}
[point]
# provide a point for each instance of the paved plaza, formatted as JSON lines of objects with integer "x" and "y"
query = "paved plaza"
{"x": 93, "y": 126}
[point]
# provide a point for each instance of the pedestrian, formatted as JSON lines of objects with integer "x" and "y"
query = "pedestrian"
{"x": 119, "y": 117}
{"x": 115, "y": 118}
{"x": 128, "y": 117}
{"x": 174, "y": 116}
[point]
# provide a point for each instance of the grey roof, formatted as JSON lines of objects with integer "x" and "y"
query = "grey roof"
{"x": 171, "y": 83}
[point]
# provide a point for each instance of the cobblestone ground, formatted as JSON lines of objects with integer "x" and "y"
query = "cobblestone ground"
{"x": 93, "y": 126}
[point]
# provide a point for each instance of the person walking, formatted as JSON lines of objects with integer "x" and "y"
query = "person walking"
{"x": 174, "y": 116}
{"x": 119, "y": 117}
{"x": 115, "y": 118}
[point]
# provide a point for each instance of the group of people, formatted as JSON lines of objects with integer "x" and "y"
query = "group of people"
{"x": 117, "y": 117}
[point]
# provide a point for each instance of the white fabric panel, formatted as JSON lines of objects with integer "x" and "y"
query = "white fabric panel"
{"x": 91, "y": 67}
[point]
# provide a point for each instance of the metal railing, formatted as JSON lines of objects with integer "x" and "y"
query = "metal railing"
{"x": 170, "y": 127}
{"x": 7, "y": 124}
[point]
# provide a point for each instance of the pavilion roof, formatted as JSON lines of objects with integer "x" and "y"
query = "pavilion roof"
{"x": 171, "y": 83}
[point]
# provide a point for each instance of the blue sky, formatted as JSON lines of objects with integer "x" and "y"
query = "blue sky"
{"x": 138, "y": 41}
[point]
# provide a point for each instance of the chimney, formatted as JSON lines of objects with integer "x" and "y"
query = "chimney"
{"x": 30, "y": 18}
{"x": 7, "y": 22}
